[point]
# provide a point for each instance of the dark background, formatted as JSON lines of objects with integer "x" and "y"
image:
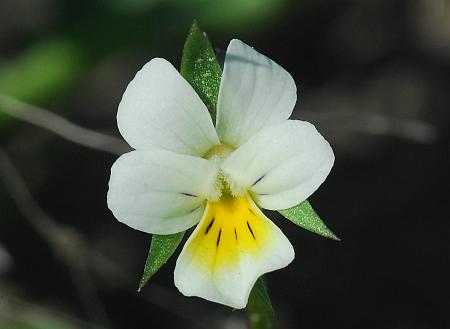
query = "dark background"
{"x": 373, "y": 76}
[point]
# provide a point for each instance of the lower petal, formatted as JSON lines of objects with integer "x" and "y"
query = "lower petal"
{"x": 233, "y": 245}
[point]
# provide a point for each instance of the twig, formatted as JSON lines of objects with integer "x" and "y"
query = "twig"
{"x": 18, "y": 310}
{"x": 374, "y": 123}
{"x": 64, "y": 241}
{"x": 61, "y": 126}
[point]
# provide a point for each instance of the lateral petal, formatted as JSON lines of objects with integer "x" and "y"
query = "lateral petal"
{"x": 282, "y": 165}
{"x": 159, "y": 191}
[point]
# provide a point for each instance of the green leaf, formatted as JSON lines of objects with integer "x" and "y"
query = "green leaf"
{"x": 199, "y": 66}
{"x": 304, "y": 216}
{"x": 259, "y": 307}
{"x": 161, "y": 249}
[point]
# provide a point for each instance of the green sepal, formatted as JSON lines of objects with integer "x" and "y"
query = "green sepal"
{"x": 260, "y": 307}
{"x": 199, "y": 66}
{"x": 162, "y": 248}
{"x": 304, "y": 216}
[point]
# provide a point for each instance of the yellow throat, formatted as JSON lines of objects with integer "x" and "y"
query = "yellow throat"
{"x": 229, "y": 228}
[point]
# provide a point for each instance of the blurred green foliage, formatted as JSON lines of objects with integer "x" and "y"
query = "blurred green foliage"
{"x": 43, "y": 71}
{"x": 88, "y": 33}
{"x": 213, "y": 14}
{"x": 232, "y": 14}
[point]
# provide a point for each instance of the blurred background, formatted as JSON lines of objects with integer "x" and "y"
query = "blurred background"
{"x": 373, "y": 76}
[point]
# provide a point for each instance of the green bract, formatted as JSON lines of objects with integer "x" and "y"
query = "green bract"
{"x": 161, "y": 249}
{"x": 304, "y": 216}
{"x": 199, "y": 66}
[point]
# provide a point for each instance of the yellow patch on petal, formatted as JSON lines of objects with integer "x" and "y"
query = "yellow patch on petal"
{"x": 229, "y": 228}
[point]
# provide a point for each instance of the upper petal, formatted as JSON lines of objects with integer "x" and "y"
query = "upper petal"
{"x": 282, "y": 165}
{"x": 255, "y": 92}
{"x": 159, "y": 191}
{"x": 232, "y": 246}
{"x": 159, "y": 109}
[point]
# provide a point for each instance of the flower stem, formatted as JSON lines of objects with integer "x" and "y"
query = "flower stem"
{"x": 259, "y": 308}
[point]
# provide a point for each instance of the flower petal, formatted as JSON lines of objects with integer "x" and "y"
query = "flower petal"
{"x": 233, "y": 245}
{"x": 255, "y": 92}
{"x": 282, "y": 165}
{"x": 159, "y": 191}
{"x": 159, "y": 109}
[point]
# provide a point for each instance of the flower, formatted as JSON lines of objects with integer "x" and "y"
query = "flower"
{"x": 185, "y": 171}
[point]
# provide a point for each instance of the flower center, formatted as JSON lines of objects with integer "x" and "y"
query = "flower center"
{"x": 224, "y": 187}
{"x": 220, "y": 151}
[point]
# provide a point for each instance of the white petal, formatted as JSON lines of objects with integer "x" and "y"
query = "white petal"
{"x": 159, "y": 109}
{"x": 232, "y": 246}
{"x": 255, "y": 92}
{"x": 282, "y": 165}
{"x": 159, "y": 191}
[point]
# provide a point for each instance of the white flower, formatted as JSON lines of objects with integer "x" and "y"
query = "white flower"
{"x": 184, "y": 171}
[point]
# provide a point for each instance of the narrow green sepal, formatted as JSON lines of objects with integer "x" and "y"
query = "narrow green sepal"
{"x": 304, "y": 216}
{"x": 162, "y": 248}
{"x": 200, "y": 67}
{"x": 260, "y": 307}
